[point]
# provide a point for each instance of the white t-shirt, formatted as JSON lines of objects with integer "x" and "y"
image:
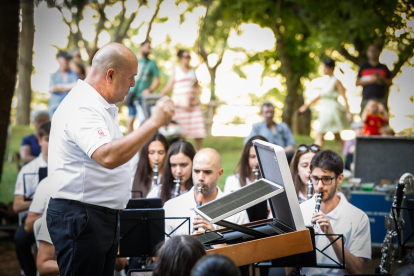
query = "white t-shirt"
{"x": 83, "y": 122}
{"x": 156, "y": 192}
{"x": 345, "y": 219}
{"x": 28, "y": 178}
{"x": 43, "y": 234}
{"x": 233, "y": 183}
{"x": 301, "y": 197}
{"x": 183, "y": 206}
{"x": 43, "y": 190}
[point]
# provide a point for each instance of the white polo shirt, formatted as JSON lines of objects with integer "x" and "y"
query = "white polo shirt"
{"x": 233, "y": 183}
{"x": 28, "y": 178}
{"x": 83, "y": 122}
{"x": 183, "y": 206}
{"x": 38, "y": 204}
{"x": 345, "y": 219}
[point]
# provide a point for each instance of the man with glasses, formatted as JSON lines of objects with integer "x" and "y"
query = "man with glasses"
{"x": 336, "y": 216}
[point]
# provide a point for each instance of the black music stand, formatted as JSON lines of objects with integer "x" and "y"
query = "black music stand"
{"x": 144, "y": 203}
{"x": 140, "y": 232}
{"x": 308, "y": 259}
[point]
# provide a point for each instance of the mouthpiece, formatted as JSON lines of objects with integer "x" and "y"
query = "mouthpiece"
{"x": 200, "y": 196}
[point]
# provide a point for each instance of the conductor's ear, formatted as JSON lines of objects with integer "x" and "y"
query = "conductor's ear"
{"x": 110, "y": 75}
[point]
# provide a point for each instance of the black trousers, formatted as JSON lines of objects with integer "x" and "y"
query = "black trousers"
{"x": 85, "y": 237}
{"x": 23, "y": 242}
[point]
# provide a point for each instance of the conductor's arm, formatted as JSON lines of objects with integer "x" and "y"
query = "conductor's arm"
{"x": 118, "y": 152}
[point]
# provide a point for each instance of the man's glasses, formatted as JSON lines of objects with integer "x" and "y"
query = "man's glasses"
{"x": 312, "y": 148}
{"x": 187, "y": 57}
{"x": 325, "y": 180}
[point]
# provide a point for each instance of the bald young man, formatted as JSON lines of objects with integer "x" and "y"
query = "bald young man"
{"x": 206, "y": 172}
{"x": 89, "y": 163}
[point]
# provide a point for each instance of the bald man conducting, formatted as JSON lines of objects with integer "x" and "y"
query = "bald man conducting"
{"x": 206, "y": 172}
{"x": 89, "y": 167}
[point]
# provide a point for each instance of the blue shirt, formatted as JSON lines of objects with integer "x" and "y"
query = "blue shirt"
{"x": 283, "y": 136}
{"x": 59, "y": 78}
{"x": 32, "y": 142}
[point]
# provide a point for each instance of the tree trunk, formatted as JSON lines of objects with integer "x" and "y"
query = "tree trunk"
{"x": 9, "y": 34}
{"x": 24, "y": 91}
{"x": 212, "y": 105}
{"x": 300, "y": 124}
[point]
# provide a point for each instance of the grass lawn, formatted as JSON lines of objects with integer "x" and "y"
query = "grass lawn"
{"x": 229, "y": 148}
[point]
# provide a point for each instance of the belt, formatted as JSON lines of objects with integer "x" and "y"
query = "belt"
{"x": 96, "y": 207}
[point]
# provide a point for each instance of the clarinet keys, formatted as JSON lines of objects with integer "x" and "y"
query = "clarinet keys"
{"x": 317, "y": 208}
{"x": 177, "y": 186}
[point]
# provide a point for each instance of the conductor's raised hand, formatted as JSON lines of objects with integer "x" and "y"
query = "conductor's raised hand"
{"x": 164, "y": 111}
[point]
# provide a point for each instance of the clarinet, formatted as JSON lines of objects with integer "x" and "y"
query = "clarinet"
{"x": 310, "y": 189}
{"x": 317, "y": 207}
{"x": 199, "y": 199}
{"x": 177, "y": 186}
{"x": 155, "y": 177}
{"x": 387, "y": 248}
{"x": 256, "y": 173}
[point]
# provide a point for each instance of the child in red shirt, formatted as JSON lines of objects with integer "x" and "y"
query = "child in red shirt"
{"x": 374, "y": 117}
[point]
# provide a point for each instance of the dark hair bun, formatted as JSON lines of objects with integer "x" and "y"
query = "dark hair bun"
{"x": 329, "y": 62}
{"x": 181, "y": 52}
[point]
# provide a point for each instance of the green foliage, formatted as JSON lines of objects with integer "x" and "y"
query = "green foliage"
{"x": 8, "y": 178}
{"x": 360, "y": 23}
{"x": 214, "y": 30}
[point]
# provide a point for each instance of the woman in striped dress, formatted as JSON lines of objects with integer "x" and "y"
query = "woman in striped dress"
{"x": 188, "y": 114}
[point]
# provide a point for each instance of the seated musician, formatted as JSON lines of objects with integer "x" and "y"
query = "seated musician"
{"x": 26, "y": 184}
{"x": 244, "y": 172}
{"x": 153, "y": 153}
{"x": 178, "y": 163}
{"x": 247, "y": 171}
{"x": 46, "y": 256}
{"x": 299, "y": 168}
{"x": 38, "y": 205}
{"x": 206, "y": 172}
{"x": 336, "y": 216}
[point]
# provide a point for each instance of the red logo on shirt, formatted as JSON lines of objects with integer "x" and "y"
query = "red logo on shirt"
{"x": 101, "y": 133}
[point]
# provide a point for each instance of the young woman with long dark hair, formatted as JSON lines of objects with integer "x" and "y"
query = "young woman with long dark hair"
{"x": 244, "y": 174}
{"x": 153, "y": 153}
{"x": 300, "y": 169}
{"x": 178, "y": 163}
